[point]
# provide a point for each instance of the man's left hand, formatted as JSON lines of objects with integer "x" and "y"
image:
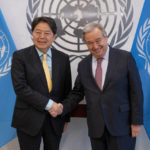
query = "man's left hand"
{"x": 135, "y": 130}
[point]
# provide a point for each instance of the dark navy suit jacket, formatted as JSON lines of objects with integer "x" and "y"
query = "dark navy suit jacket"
{"x": 119, "y": 104}
{"x": 31, "y": 89}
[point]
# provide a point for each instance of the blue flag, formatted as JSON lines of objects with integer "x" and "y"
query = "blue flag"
{"x": 141, "y": 53}
{"x": 7, "y": 95}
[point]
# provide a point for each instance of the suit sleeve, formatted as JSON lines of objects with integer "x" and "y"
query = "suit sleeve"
{"x": 75, "y": 96}
{"x": 68, "y": 86}
{"x": 26, "y": 95}
{"x": 135, "y": 93}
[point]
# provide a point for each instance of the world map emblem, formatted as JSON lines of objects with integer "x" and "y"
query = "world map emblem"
{"x": 5, "y": 60}
{"x": 72, "y": 15}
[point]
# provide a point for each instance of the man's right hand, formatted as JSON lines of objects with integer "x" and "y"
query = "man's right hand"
{"x": 56, "y": 109}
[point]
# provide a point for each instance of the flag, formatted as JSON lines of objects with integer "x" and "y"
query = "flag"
{"x": 7, "y": 95}
{"x": 141, "y": 53}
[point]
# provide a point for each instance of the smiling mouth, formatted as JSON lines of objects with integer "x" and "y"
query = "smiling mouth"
{"x": 98, "y": 50}
{"x": 41, "y": 42}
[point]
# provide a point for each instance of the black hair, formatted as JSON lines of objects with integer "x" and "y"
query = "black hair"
{"x": 50, "y": 21}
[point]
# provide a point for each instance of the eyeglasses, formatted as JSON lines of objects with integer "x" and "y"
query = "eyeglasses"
{"x": 97, "y": 41}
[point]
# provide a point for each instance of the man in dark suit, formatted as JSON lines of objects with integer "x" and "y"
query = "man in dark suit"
{"x": 110, "y": 82}
{"x": 36, "y": 91}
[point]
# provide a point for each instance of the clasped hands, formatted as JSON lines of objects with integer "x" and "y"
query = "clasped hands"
{"x": 56, "y": 109}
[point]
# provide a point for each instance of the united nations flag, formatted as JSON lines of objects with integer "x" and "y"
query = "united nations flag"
{"x": 141, "y": 53}
{"x": 7, "y": 95}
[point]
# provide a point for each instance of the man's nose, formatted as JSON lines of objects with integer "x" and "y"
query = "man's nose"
{"x": 42, "y": 35}
{"x": 95, "y": 45}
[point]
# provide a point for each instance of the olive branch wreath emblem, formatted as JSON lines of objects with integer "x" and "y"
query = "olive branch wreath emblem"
{"x": 32, "y": 12}
{"x": 5, "y": 68}
{"x": 125, "y": 26}
{"x": 118, "y": 39}
{"x": 141, "y": 44}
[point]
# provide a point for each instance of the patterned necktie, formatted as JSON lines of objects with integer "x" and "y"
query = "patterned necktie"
{"x": 47, "y": 74}
{"x": 98, "y": 74}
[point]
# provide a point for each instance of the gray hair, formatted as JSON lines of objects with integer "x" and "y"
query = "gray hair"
{"x": 91, "y": 26}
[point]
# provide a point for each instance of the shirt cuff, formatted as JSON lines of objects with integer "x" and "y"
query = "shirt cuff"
{"x": 49, "y": 104}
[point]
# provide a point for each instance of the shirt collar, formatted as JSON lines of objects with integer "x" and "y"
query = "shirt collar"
{"x": 49, "y": 52}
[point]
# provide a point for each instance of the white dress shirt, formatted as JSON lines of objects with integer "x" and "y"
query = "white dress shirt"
{"x": 104, "y": 65}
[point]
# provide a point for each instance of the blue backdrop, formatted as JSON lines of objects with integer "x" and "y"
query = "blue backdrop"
{"x": 7, "y": 96}
{"x": 141, "y": 53}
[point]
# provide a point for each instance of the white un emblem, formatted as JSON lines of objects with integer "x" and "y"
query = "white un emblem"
{"x": 5, "y": 61}
{"x": 72, "y": 15}
{"x": 143, "y": 44}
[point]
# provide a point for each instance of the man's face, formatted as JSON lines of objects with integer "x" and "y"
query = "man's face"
{"x": 96, "y": 43}
{"x": 43, "y": 36}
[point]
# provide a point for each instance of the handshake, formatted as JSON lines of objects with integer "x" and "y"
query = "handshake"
{"x": 56, "y": 109}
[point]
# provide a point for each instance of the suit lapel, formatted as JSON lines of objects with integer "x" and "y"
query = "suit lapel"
{"x": 38, "y": 66}
{"x": 90, "y": 68}
{"x": 55, "y": 68}
{"x": 111, "y": 63}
